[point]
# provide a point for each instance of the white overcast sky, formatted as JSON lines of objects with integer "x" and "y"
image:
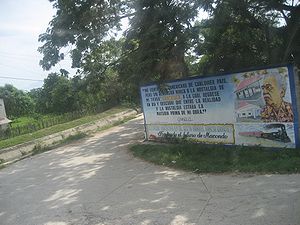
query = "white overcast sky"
{"x": 21, "y": 22}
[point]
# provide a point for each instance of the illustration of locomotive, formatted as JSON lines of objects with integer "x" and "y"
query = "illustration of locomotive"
{"x": 275, "y": 132}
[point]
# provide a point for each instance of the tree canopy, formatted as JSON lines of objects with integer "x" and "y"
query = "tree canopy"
{"x": 241, "y": 34}
{"x": 164, "y": 40}
{"x": 17, "y": 103}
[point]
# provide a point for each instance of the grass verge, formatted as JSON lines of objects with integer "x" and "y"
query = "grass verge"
{"x": 219, "y": 159}
{"x": 57, "y": 128}
{"x": 39, "y": 149}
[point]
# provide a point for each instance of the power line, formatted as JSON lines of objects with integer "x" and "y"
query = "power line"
{"x": 17, "y": 58}
{"x": 19, "y": 55}
{"x": 18, "y": 68}
{"x": 18, "y": 78}
{"x": 34, "y": 56}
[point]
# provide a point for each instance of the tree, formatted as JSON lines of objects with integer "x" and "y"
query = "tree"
{"x": 102, "y": 58}
{"x": 159, "y": 35}
{"x": 17, "y": 103}
{"x": 56, "y": 95}
{"x": 158, "y": 42}
{"x": 36, "y": 95}
{"x": 158, "y": 38}
{"x": 83, "y": 25}
{"x": 243, "y": 34}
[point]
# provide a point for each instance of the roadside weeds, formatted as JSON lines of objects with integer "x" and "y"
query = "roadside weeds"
{"x": 201, "y": 158}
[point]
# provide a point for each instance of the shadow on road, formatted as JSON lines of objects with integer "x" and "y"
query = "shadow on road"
{"x": 96, "y": 181}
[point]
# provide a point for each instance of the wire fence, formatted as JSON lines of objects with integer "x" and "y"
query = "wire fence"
{"x": 48, "y": 122}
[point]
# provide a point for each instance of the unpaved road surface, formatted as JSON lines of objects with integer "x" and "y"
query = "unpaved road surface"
{"x": 96, "y": 181}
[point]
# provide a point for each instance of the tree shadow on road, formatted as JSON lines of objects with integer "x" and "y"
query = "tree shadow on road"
{"x": 96, "y": 181}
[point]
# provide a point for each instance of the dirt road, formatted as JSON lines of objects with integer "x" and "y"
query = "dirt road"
{"x": 96, "y": 181}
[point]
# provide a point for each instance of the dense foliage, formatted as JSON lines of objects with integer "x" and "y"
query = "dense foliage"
{"x": 163, "y": 40}
{"x": 17, "y": 102}
{"x": 241, "y": 34}
{"x": 61, "y": 94}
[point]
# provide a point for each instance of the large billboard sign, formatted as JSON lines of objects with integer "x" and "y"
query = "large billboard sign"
{"x": 248, "y": 108}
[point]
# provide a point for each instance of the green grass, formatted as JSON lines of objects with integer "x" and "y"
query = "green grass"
{"x": 27, "y": 120}
{"x": 39, "y": 149}
{"x": 57, "y": 128}
{"x": 219, "y": 159}
{"x": 22, "y": 121}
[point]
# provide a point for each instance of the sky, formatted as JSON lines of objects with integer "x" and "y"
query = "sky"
{"x": 21, "y": 22}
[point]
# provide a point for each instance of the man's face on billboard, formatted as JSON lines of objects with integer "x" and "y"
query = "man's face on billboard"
{"x": 272, "y": 93}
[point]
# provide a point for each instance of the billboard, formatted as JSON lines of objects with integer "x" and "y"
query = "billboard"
{"x": 248, "y": 108}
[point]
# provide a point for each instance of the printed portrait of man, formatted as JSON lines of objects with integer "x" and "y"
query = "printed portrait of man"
{"x": 275, "y": 109}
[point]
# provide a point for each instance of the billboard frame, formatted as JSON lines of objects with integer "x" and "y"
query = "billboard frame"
{"x": 292, "y": 81}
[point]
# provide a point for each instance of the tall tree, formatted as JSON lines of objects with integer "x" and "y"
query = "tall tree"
{"x": 154, "y": 47}
{"x": 238, "y": 34}
{"x": 57, "y": 94}
{"x": 81, "y": 24}
{"x": 158, "y": 38}
{"x": 17, "y": 103}
{"x": 248, "y": 33}
{"x": 156, "y": 42}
